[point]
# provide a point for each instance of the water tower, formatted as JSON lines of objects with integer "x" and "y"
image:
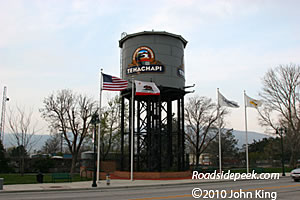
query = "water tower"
{"x": 159, "y": 143}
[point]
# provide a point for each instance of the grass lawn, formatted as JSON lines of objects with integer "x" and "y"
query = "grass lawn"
{"x": 10, "y": 179}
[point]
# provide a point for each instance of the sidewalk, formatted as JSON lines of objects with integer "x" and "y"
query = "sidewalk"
{"x": 114, "y": 184}
{"x": 88, "y": 185}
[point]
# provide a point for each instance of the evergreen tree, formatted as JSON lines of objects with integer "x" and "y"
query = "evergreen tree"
{"x": 228, "y": 145}
{"x": 3, "y": 160}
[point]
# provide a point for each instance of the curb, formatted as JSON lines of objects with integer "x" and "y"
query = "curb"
{"x": 109, "y": 187}
{"x": 124, "y": 187}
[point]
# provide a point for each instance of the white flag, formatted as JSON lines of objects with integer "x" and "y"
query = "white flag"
{"x": 225, "y": 102}
{"x": 250, "y": 102}
{"x": 146, "y": 88}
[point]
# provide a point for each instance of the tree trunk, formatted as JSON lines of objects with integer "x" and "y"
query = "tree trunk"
{"x": 197, "y": 159}
{"x": 74, "y": 161}
{"x": 21, "y": 162}
{"x": 22, "y": 166}
{"x": 293, "y": 159}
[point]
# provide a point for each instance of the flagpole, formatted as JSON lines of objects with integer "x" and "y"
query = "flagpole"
{"x": 99, "y": 128}
{"x": 219, "y": 132}
{"x": 246, "y": 129}
{"x": 132, "y": 118}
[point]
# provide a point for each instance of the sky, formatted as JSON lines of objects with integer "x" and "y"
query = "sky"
{"x": 49, "y": 45}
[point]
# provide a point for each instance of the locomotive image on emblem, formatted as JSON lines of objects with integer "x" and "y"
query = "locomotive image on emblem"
{"x": 143, "y": 60}
{"x": 143, "y": 57}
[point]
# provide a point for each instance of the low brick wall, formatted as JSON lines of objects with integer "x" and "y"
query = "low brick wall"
{"x": 153, "y": 175}
{"x": 138, "y": 175}
{"x": 108, "y": 166}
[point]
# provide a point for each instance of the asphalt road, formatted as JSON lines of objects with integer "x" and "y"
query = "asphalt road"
{"x": 283, "y": 189}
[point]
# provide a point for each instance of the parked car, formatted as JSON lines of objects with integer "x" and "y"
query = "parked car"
{"x": 295, "y": 174}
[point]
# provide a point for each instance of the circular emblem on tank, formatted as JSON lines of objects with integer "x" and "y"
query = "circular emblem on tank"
{"x": 143, "y": 60}
{"x": 143, "y": 56}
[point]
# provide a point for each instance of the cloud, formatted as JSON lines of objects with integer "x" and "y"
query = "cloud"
{"x": 24, "y": 21}
{"x": 228, "y": 64}
{"x": 51, "y": 44}
{"x": 190, "y": 15}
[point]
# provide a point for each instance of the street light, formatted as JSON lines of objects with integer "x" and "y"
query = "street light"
{"x": 95, "y": 120}
{"x": 279, "y": 131}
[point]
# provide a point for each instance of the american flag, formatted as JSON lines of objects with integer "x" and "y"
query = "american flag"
{"x": 113, "y": 83}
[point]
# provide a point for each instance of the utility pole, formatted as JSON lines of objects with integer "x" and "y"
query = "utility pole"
{"x": 2, "y": 122}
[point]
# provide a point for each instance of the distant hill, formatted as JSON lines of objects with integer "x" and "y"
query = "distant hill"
{"x": 239, "y": 135}
{"x": 41, "y": 139}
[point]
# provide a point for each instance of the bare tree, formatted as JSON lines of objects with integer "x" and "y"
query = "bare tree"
{"x": 280, "y": 93}
{"x": 71, "y": 114}
{"x": 22, "y": 129}
{"x": 111, "y": 126}
{"x": 53, "y": 144}
{"x": 202, "y": 128}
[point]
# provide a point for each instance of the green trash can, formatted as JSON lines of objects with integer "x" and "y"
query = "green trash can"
{"x": 1, "y": 183}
